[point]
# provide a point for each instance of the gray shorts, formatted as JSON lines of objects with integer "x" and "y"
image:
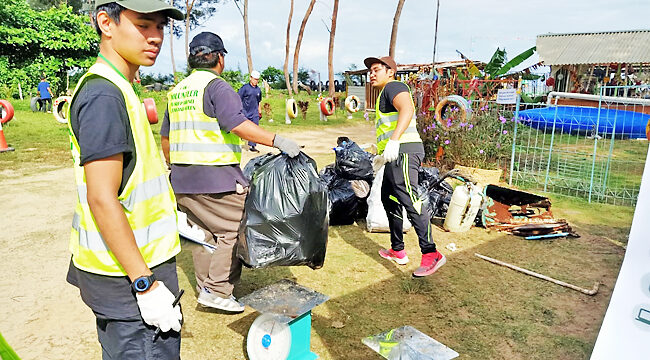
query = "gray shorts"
{"x": 132, "y": 339}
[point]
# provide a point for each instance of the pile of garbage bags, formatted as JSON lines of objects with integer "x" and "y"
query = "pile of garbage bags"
{"x": 285, "y": 215}
{"x": 353, "y": 170}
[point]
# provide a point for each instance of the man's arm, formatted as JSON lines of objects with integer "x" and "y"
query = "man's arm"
{"x": 164, "y": 142}
{"x": 402, "y": 102}
{"x": 103, "y": 178}
{"x": 50, "y": 91}
{"x": 247, "y": 130}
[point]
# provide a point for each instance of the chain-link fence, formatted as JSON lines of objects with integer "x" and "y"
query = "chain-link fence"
{"x": 590, "y": 146}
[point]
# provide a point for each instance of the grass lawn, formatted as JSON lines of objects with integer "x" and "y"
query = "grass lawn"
{"x": 479, "y": 309}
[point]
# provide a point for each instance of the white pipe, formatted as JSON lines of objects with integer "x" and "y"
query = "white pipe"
{"x": 567, "y": 95}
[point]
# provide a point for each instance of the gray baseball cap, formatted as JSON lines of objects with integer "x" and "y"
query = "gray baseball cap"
{"x": 146, "y": 7}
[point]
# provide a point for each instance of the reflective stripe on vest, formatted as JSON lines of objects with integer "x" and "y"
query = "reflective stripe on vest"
{"x": 386, "y": 123}
{"x": 194, "y": 137}
{"x": 147, "y": 198}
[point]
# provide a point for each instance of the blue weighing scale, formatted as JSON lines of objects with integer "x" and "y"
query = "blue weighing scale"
{"x": 283, "y": 331}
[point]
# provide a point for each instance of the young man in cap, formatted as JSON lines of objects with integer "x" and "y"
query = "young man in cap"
{"x": 124, "y": 235}
{"x": 400, "y": 147}
{"x": 251, "y": 98}
{"x": 202, "y": 134}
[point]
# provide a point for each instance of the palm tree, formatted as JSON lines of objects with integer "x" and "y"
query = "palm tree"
{"x": 330, "y": 54}
{"x": 296, "y": 51}
{"x": 286, "y": 53}
{"x": 393, "y": 33}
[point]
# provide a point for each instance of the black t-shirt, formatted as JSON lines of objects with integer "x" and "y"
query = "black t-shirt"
{"x": 101, "y": 124}
{"x": 391, "y": 90}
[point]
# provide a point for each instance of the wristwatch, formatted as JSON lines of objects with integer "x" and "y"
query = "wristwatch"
{"x": 143, "y": 283}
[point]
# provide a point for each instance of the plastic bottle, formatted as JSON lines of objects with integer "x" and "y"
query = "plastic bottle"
{"x": 463, "y": 207}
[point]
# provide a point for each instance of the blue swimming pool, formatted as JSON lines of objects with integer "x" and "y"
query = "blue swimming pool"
{"x": 583, "y": 120}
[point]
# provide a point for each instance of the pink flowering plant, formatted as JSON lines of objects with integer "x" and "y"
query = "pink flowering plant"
{"x": 483, "y": 139}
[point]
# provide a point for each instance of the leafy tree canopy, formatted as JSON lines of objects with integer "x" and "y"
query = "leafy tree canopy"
{"x": 48, "y": 42}
{"x": 275, "y": 77}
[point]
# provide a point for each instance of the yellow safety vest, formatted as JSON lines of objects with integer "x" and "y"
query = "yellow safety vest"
{"x": 147, "y": 198}
{"x": 386, "y": 123}
{"x": 195, "y": 138}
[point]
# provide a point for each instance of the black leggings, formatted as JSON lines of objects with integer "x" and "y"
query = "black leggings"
{"x": 398, "y": 191}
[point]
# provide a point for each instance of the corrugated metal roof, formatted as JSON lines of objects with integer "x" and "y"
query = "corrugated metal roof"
{"x": 595, "y": 48}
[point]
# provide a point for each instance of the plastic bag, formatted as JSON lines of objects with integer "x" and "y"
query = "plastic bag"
{"x": 345, "y": 205}
{"x": 352, "y": 162}
{"x": 376, "y": 219}
{"x": 254, "y": 163}
{"x": 439, "y": 192}
{"x": 285, "y": 216}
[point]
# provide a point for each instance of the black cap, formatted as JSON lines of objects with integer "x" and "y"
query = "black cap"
{"x": 207, "y": 42}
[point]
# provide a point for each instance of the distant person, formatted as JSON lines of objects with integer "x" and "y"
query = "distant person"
{"x": 251, "y": 98}
{"x": 124, "y": 236}
{"x": 400, "y": 147}
{"x": 45, "y": 101}
{"x": 201, "y": 137}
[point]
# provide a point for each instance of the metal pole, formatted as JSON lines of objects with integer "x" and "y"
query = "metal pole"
{"x": 611, "y": 151}
{"x": 514, "y": 132}
{"x": 435, "y": 41}
{"x": 593, "y": 160}
{"x": 550, "y": 149}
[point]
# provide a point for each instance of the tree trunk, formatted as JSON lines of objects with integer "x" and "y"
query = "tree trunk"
{"x": 393, "y": 33}
{"x": 330, "y": 54}
{"x": 248, "y": 44}
{"x": 189, "y": 4}
{"x": 296, "y": 51}
{"x": 286, "y": 53}
{"x": 171, "y": 43}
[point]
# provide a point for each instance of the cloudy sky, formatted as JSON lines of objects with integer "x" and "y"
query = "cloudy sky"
{"x": 474, "y": 27}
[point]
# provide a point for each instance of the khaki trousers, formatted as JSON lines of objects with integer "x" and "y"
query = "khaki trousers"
{"x": 219, "y": 215}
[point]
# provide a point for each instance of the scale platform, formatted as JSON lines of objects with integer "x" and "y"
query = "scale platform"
{"x": 408, "y": 343}
{"x": 283, "y": 331}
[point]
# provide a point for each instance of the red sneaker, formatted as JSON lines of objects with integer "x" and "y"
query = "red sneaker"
{"x": 430, "y": 263}
{"x": 397, "y": 256}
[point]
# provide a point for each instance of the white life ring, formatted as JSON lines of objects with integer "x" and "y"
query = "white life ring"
{"x": 352, "y": 103}
{"x": 59, "y": 111}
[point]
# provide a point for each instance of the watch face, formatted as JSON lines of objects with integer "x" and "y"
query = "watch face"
{"x": 141, "y": 284}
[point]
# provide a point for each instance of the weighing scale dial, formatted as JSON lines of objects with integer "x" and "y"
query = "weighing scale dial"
{"x": 268, "y": 339}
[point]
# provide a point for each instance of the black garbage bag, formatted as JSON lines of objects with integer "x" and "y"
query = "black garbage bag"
{"x": 285, "y": 216}
{"x": 254, "y": 163}
{"x": 439, "y": 191}
{"x": 352, "y": 162}
{"x": 344, "y": 203}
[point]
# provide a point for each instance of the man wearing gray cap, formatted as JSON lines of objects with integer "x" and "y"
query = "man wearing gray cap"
{"x": 399, "y": 146}
{"x": 201, "y": 137}
{"x": 124, "y": 238}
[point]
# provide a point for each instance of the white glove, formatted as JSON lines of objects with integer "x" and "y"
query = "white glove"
{"x": 287, "y": 146}
{"x": 156, "y": 308}
{"x": 391, "y": 151}
{"x": 377, "y": 162}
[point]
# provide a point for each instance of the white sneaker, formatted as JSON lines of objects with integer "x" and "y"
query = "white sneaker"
{"x": 206, "y": 298}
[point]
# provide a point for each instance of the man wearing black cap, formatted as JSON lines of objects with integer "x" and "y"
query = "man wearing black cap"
{"x": 202, "y": 136}
{"x": 399, "y": 146}
{"x": 124, "y": 237}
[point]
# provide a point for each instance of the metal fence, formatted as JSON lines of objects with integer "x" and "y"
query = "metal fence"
{"x": 595, "y": 149}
